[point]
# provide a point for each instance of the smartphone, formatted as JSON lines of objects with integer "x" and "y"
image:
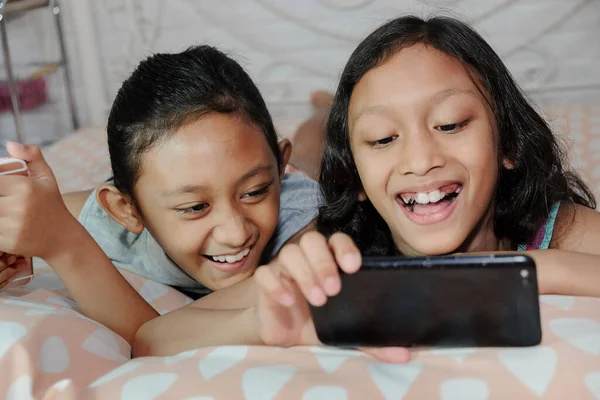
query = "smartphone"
{"x": 23, "y": 265}
{"x": 445, "y": 301}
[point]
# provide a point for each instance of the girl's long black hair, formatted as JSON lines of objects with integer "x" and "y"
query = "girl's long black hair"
{"x": 524, "y": 195}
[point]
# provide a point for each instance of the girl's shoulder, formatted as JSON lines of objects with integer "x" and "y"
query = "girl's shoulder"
{"x": 543, "y": 238}
{"x": 570, "y": 227}
{"x": 577, "y": 228}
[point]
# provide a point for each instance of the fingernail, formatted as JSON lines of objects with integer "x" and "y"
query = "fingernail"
{"x": 317, "y": 297}
{"x": 352, "y": 261}
{"x": 287, "y": 299}
{"x": 15, "y": 145}
{"x": 332, "y": 286}
{"x": 11, "y": 259}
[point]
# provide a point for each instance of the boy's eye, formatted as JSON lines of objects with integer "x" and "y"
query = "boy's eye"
{"x": 382, "y": 142}
{"x": 450, "y": 128}
{"x": 257, "y": 193}
{"x": 195, "y": 209}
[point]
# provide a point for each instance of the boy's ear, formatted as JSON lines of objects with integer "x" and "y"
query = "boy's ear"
{"x": 285, "y": 148}
{"x": 120, "y": 208}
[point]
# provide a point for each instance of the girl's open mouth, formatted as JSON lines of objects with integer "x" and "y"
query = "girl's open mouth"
{"x": 430, "y": 207}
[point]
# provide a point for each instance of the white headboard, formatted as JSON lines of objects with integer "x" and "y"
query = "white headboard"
{"x": 293, "y": 47}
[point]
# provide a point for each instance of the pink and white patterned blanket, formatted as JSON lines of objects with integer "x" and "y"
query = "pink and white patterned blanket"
{"x": 49, "y": 350}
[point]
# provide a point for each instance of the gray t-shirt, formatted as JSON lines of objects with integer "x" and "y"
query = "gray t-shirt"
{"x": 142, "y": 255}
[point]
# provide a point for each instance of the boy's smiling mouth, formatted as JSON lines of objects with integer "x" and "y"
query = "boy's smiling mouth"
{"x": 430, "y": 203}
{"x": 229, "y": 258}
{"x": 229, "y": 262}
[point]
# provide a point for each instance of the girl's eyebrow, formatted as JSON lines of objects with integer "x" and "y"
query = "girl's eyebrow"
{"x": 376, "y": 109}
{"x": 442, "y": 95}
{"x": 437, "y": 98}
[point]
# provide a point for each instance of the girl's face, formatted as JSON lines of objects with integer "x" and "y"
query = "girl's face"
{"x": 424, "y": 142}
{"x": 210, "y": 197}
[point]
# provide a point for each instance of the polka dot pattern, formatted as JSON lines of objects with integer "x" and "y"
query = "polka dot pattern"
{"x": 53, "y": 352}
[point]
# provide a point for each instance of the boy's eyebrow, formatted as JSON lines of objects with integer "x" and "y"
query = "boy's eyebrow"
{"x": 186, "y": 189}
{"x": 255, "y": 171}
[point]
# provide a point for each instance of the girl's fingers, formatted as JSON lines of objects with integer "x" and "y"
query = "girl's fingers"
{"x": 7, "y": 274}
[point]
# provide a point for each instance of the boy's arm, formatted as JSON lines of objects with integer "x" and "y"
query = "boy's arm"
{"x": 99, "y": 289}
{"x": 227, "y": 316}
{"x": 75, "y": 201}
{"x": 35, "y": 222}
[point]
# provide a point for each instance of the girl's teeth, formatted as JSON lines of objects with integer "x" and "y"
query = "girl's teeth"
{"x": 422, "y": 198}
{"x": 426, "y": 198}
{"x": 435, "y": 196}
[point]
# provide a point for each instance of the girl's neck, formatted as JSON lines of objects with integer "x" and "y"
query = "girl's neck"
{"x": 483, "y": 239}
{"x": 486, "y": 244}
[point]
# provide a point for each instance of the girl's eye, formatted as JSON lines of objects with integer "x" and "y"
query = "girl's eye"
{"x": 195, "y": 209}
{"x": 382, "y": 142}
{"x": 257, "y": 193}
{"x": 451, "y": 128}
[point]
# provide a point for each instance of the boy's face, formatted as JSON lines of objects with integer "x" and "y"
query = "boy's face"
{"x": 209, "y": 195}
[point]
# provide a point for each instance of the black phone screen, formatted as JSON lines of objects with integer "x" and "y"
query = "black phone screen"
{"x": 435, "y": 301}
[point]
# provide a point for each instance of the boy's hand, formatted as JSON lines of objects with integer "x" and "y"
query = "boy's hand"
{"x": 32, "y": 212}
{"x": 307, "y": 271}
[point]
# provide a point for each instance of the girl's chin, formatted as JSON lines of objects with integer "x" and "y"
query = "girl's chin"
{"x": 430, "y": 246}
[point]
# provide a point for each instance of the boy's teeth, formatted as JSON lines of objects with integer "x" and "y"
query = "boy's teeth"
{"x": 232, "y": 258}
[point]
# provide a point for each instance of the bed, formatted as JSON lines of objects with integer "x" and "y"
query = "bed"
{"x": 49, "y": 350}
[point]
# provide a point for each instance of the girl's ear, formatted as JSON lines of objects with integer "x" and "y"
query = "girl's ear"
{"x": 507, "y": 164}
{"x": 362, "y": 195}
{"x": 285, "y": 147}
{"x": 120, "y": 208}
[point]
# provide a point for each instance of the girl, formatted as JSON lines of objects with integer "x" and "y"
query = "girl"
{"x": 431, "y": 149}
{"x": 199, "y": 193}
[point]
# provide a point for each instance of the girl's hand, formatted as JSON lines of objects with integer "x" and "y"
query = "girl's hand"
{"x": 32, "y": 212}
{"x": 7, "y": 268}
{"x": 303, "y": 272}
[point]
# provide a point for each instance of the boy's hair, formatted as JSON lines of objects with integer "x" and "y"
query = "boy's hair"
{"x": 524, "y": 195}
{"x": 167, "y": 91}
